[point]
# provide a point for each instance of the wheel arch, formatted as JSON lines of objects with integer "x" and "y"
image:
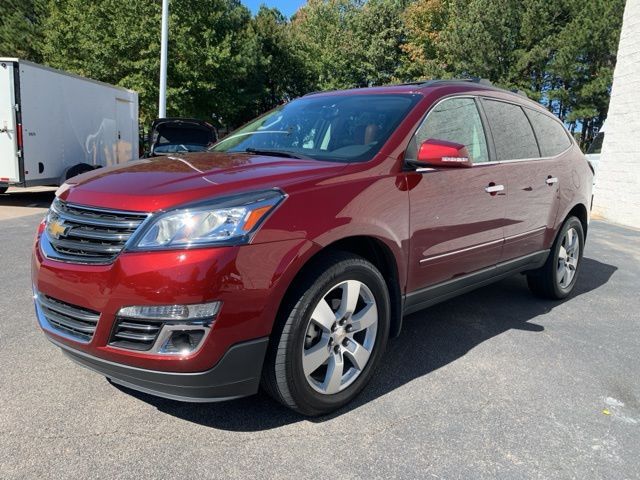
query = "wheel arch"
{"x": 370, "y": 248}
{"x": 580, "y": 211}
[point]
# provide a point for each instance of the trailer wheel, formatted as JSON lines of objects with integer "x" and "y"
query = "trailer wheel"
{"x": 76, "y": 170}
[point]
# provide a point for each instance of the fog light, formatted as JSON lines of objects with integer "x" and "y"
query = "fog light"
{"x": 181, "y": 329}
{"x": 183, "y": 341}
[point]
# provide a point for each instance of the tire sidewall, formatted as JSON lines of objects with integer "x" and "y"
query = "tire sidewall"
{"x": 575, "y": 223}
{"x": 306, "y": 397}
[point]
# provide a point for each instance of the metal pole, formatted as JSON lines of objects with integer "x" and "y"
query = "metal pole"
{"x": 164, "y": 40}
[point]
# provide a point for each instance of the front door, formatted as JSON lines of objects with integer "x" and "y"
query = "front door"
{"x": 456, "y": 224}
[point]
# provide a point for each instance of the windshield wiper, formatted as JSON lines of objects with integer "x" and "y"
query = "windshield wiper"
{"x": 277, "y": 153}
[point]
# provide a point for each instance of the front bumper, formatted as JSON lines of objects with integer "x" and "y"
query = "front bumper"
{"x": 248, "y": 281}
{"x": 236, "y": 375}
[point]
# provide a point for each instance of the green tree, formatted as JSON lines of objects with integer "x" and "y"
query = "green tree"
{"x": 560, "y": 53}
{"x": 108, "y": 40}
{"x": 422, "y": 52}
{"x": 280, "y": 71}
{"x": 350, "y": 43}
{"x": 481, "y": 38}
{"x": 119, "y": 43}
{"x": 581, "y": 70}
{"x": 21, "y": 28}
{"x": 322, "y": 32}
{"x": 380, "y": 34}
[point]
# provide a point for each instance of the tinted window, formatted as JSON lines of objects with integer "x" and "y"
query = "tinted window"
{"x": 596, "y": 145}
{"x": 511, "y": 131}
{"x": 454, "y": 120}
{"x": 346, "y": 128}
{"x": 552, "y": 137}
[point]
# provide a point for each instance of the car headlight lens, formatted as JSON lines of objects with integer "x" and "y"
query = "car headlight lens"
{"x": 227, "y": 221}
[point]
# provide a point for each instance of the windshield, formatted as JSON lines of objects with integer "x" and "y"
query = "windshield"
{"x": 182, "y": 137}
{"x": 341, "y": 128}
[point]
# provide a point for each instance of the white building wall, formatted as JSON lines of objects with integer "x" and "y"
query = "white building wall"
{"x": 617, "y": 193}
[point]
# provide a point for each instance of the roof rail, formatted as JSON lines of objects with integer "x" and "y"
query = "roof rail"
{"x": 443, "y": 81}
{"x": 480, "y": 81}
{"x": 520, "y": 92}
{"x": 316, "y": 91}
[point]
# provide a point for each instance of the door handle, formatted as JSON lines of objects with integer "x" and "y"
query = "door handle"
{"x": 551, "y": 180}
{"x": 492, "y": 188}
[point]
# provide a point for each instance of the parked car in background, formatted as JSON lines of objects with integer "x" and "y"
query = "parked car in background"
{"x": 289, "y": 253}
{"x": 168, "y": 136}
{"x": 55, "y": 125}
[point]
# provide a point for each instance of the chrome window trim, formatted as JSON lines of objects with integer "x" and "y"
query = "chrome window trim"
{"x": 492, "y": 162}
{"x": 434, "y": 106}
{"x": 572, "y": 141}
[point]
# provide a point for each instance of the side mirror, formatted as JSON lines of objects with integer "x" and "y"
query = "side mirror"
{"x": 442, "y": 154}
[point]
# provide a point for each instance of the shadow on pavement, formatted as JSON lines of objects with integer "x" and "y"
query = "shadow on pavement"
{"x": 430, "y": 339}
{"x": 40, "y": 197}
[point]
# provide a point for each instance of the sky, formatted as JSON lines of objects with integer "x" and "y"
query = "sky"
{"x": 287, "y": 7}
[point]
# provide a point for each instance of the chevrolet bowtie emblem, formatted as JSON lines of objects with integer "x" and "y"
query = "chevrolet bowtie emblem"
{"x": 57, "y": 228}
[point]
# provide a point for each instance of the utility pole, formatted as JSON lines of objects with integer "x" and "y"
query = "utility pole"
{"x": 164, "y": 40}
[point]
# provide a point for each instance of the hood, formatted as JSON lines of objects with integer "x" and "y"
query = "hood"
{"x": 163, "y": 182}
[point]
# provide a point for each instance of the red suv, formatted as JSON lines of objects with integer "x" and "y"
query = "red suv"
{"x": 287, "y": 254}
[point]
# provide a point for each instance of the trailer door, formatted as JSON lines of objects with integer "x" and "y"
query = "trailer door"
{"x": 124, "y": 124}
{"x": 9, "y": 131}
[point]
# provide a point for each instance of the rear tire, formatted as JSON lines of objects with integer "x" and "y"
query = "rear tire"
{"x": 557, "y": 277}
{"x": 331, "y": 334}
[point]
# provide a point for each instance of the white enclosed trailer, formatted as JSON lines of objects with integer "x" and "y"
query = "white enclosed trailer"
{"x": 54, "y": 125}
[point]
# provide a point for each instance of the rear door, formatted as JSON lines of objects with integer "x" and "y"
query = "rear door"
{"x": 531, "y": 200}
{"x": 456, "y": 224}
{"x": 9, "y": 130}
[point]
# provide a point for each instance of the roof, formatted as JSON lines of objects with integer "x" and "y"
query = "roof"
{"x": 470, "y": 84}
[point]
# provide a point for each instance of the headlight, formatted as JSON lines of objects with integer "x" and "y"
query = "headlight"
{"x": 226, "y": 221}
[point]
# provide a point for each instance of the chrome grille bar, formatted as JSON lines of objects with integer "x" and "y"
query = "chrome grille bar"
{"x": 82, "y": 234}
{"x": 135, "y": 334}
{"x": 66, "y": 309}
{"x": 97, "y": 217}
{"x": 68, "y": 319}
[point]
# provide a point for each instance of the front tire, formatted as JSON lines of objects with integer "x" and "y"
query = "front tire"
{"x": 331, "y": 335}
{"x": 557, "y": 277}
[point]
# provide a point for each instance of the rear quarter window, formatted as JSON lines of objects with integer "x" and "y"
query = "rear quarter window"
{"x": 552, "y": 137}
{"x": 512, "y": 134}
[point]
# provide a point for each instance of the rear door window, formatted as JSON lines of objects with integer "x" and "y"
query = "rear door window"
{"x": 454, "y": 120}
{"x": 513, "y": 136}
{"x": 552, "y": 137}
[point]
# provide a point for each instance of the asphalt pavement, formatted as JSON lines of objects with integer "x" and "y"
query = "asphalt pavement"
{"x": 493, "y": 384}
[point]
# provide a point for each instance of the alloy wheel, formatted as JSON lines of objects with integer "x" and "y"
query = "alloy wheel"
{"x": 568, "y": 257}
{"x": 340, "y": 337}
